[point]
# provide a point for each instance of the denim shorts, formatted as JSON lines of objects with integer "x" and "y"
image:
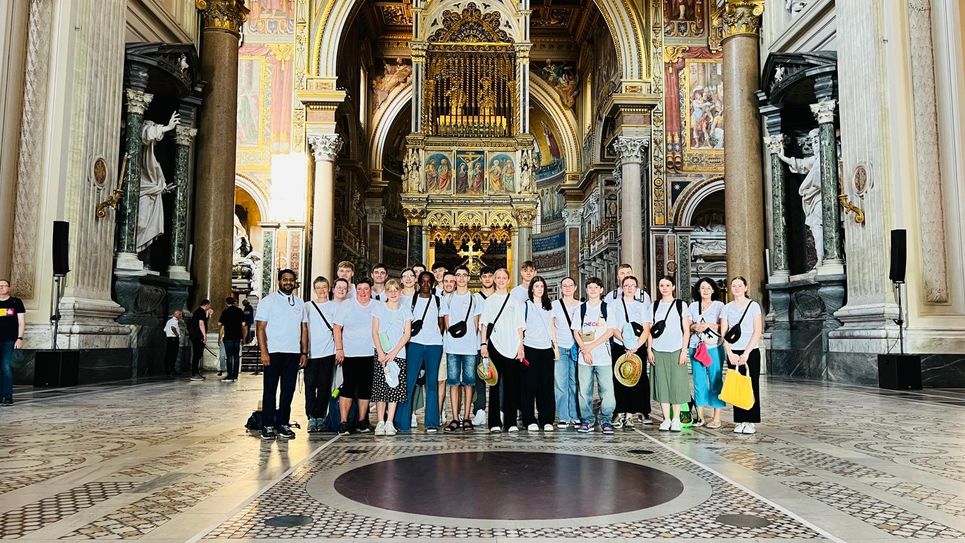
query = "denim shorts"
{"x": 464, "y": 364}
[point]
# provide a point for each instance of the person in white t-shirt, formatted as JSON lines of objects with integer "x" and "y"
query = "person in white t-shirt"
{"x": 408, "y": 283}
{"x": 319, "y": 316}
{"x": 502, "y": 344}
{"x": 640, "y": 295}
{"x": 461, "y": 311}
{"x": 705, "y": 314}
{"x": 391, "y": 328}
{"x": 340, "y": 290}
{"x": 592, "y": 331}
{"x": 346, "y": 270}
{"x": 541, "y": 347}
{"x": 284, "y": 348}
{"x": 425, "y": 347}
{"x": 439, "y": 273}
{"x": 354, "y": 350}
{"x": 487, "y": 289}
{"x": 527, "y": 270}
{"x": 631, "y": 333}
{"x": 669, "y": 355}
{"x": 745, "y": 315}
{"x": 448, "y": 287}
{"x": 172, "y": 336}
{"x": 379, "y": 275}
{"x": 565, "y": 311}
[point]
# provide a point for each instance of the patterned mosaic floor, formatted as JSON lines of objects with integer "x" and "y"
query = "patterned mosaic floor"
{"x": 170, "y": 461}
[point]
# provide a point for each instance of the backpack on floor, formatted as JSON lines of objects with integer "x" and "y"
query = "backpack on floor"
{"x": 254, "y": 423}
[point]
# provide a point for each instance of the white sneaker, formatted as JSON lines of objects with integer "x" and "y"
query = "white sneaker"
{"x": 513, "y": 429}
{"x": 618, "y": 421}
{"x": 389, "y": 429}
{"x": 495, "y": 430}
{"x": 561, "y": 425}
{"x": 739, "y": 428}
{"x": 532, "y": 428}
{"x": 480, "y": 418}
{"x": 415, "y": 422}
{"x": 665, "y": 425}
{"x": 380, "y": 428}
{"x": 749, "y": 428}
{"x": 675, "y": 425}
{"x": 548, "y": 428}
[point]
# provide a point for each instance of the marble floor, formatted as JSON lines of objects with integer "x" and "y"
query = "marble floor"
{"x": 170, "y": 461}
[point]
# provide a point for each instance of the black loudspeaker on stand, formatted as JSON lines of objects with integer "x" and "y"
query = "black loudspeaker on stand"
{"x": 56, "y": 367}
{"x": 901, "y": 371}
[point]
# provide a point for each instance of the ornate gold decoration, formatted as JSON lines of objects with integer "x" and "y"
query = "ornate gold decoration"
{"x": 98, "y": 172}
{"x": 742, "y": 17}
{"x": 471, "y": 26}
{"x": 849, "y": 207}
{"x": 101, "y": 211}
{"x": 224, "y": 15}
{"x": 525, "y": 216}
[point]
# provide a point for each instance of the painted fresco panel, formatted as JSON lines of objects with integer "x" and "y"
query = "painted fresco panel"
{"x": 470, "y": 177}
{"x": 501, "y": 173}
{"x": 439, "y": 173}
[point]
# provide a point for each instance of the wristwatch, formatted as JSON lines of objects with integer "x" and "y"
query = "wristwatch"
{"x": 20, "y": 338}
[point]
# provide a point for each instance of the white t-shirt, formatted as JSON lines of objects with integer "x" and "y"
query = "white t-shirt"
{"x": 711, "y": 316}
{"x": 592, "y": 326}
{"x": 637, "y": 311}
{"x": 456, "y": 307}
{"x": 283, "y": 316}
{"x": 672, "y": 338}
{"x": 505, "y": 337}
{"x": 356, "y": 323}
{"x": 616, "y": 294}
{"x": 520, "y": 293}
{"x": 539, "y": 322}
{"x": 732, "y": 314}
{"x": 379, "y": 296}
{"x": 392, "y": 325}
{"x": 564, "y": 333}
{"x": 172, "y": 323}
{"x": 430, "y": 333}
{"x": 321, "y": 340}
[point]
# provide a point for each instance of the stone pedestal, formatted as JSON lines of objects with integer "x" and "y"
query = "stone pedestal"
{"x": 148, "y": 301}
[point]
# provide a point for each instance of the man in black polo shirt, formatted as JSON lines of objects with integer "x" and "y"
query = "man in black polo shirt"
{"x": 12, "y": 325}
{"x": 232, "y": 320}
{"x": 198, "y": 328}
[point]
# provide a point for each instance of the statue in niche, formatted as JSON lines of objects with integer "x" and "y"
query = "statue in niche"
{"x": 487, "y": 98}
{"x": 810, "y": 190}
{"x": 242, "y": 243}
{"x": 457, "y": 98}
{"x": 150, "y": 205}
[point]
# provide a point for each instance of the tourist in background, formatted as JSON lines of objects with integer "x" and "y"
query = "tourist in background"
{"x": 354, "y": 349}
{"x": 541, "y": 349}
{"x": 501, "y": 340}
{"x": 12, "y": 326}
{"x": 742, "y": 325}
{"x": 631, "y": 332}
{"x": 391, "y": 327}
{"x": 232, "y": 322}
{"x": 318, "y": 373}
{"x": 249, "y": 328}
{"x": 591, "y": 333}
{"x": 705, "y": 314}
{"x": 669, "y": 355}
{"x": 198, "y": 328}
{"x": 172, "y": 342}
{"x": 565, "y": 311}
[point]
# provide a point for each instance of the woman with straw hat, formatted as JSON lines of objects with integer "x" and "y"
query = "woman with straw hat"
{"x": 632, "y": 318}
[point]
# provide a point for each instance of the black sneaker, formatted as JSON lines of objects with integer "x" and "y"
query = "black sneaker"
{"x": 344, "y": 429}
{"x": 197, "y": 377}
{"x": 363, "y": 427}
{"x": 268, "y": 433}
{"x": 286, "y": 432}
{"x": 8, "y": 401}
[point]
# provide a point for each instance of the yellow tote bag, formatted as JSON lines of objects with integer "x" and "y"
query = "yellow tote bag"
{"x": 737, "y": 389}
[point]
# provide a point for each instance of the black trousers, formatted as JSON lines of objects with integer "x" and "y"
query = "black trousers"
{"x": 170, "y": 354}
{"x": 318, "y": 384}
{"x": 282, "y": 367}
{"x": 754, "y": 370}
{"x": 509, "y": 378}
{"x": 635, "y": 399}
{"x": 538, "y": 387}
{"x": 197, "y": 351}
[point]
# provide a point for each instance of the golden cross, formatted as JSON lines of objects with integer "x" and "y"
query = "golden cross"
{"x": 473, "y": 262}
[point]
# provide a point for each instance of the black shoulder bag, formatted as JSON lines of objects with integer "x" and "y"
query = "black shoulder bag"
{"x": 658, "y": 327}
{"x": 460, "y": 328}
{"x": 492, "y": 325}
{"x": 637, "y": 327}
{"x": 417, "y": 325}
{"x": 733, "y": 334}
{"x": 322, "y": 316}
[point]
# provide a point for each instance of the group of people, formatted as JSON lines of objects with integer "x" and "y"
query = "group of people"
{"x": 543, "y": 361}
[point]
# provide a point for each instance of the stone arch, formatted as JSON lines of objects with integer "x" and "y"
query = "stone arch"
{"x": 508, "y": 13}
{"x": 623, "y": 18}
{"x": 693, "y": 196}
{"x": 383, "y": 121}
{"x": 562, "y": 117}
{"x": 256, "y": 192}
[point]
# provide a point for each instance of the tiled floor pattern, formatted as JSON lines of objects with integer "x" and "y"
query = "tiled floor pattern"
{"x": 168, "y": 461}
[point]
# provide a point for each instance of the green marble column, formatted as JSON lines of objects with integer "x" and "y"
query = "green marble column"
{"x": 184, "y": 140}
{"x": 268, "y": 258}
{"x": 779, "y": 265}
{"x": 137, "y": 103}
{"x": 824, "y": 112}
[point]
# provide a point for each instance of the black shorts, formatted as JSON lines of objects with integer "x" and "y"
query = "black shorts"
{"x": 357, "y": 378}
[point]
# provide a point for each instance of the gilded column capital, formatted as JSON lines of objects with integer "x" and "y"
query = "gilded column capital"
{"x": 525, "y": 216}
{"x": 325, "y": 146}
{"x": 824, "y": 111}
{"x": 414, "y": 216}
{"x": 630, "y": 149}
{"x": 775, "y": 144}
{"x": 224, "y": 15}
{"x": 742, "y": 17}
{"x": 137, "y": 101}
{"x": 184, "y": 135}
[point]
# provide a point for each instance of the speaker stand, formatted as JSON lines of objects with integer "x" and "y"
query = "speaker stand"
{"x": 55, "y": 314}
{"x": 900, "y": 321}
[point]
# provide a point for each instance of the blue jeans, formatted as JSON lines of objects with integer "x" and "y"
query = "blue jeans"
{"x": 431, "y": 356}
{"x": 461, "y": 369}
{"x": 708, "y": 380}
{"x": 6, "y": 369}
{"x": 604, "y": 379}
{"x": 232, "y": 349}
{"x": 564, "y": 379}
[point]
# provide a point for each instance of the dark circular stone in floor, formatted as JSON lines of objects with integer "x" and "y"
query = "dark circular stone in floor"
{"x": 289, "y": 521}
{"x": 508, "y": 485}
{"x": 640, "y": 451}
{"x": 744, "y": 521}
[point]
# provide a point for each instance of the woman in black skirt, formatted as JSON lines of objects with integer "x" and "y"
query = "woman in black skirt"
{"x": 743, "y": 315}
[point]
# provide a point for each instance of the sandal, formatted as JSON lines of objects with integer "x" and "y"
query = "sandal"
{"x": 453, "y": 426}
{"x": 713, "y": 425}
{"x": 467, "y": 426}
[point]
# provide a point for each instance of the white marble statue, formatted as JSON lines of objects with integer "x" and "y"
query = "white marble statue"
{"x": 150, "y": 205}
{"x": 810, "y": 190}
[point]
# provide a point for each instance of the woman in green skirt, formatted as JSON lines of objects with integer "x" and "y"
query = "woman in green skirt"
{"x": 668, "y": 353}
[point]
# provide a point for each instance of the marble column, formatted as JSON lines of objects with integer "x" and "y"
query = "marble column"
{"x": 184, "y": 141}
{"x": 375, "y": 237}
{"x": 630, "y": 150}
{"x": 325, "y": 148}
{"x": 269, "y": 232}
{"x": 137, "y": 103}
{"x": 214, "y": 190}
{"x": 779, "y": 264}
{"x": 833, "y": 258}
{"x": 743, "y": 180}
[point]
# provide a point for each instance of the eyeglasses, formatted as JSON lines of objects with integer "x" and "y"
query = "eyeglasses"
{"x": 462, "y": 275}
